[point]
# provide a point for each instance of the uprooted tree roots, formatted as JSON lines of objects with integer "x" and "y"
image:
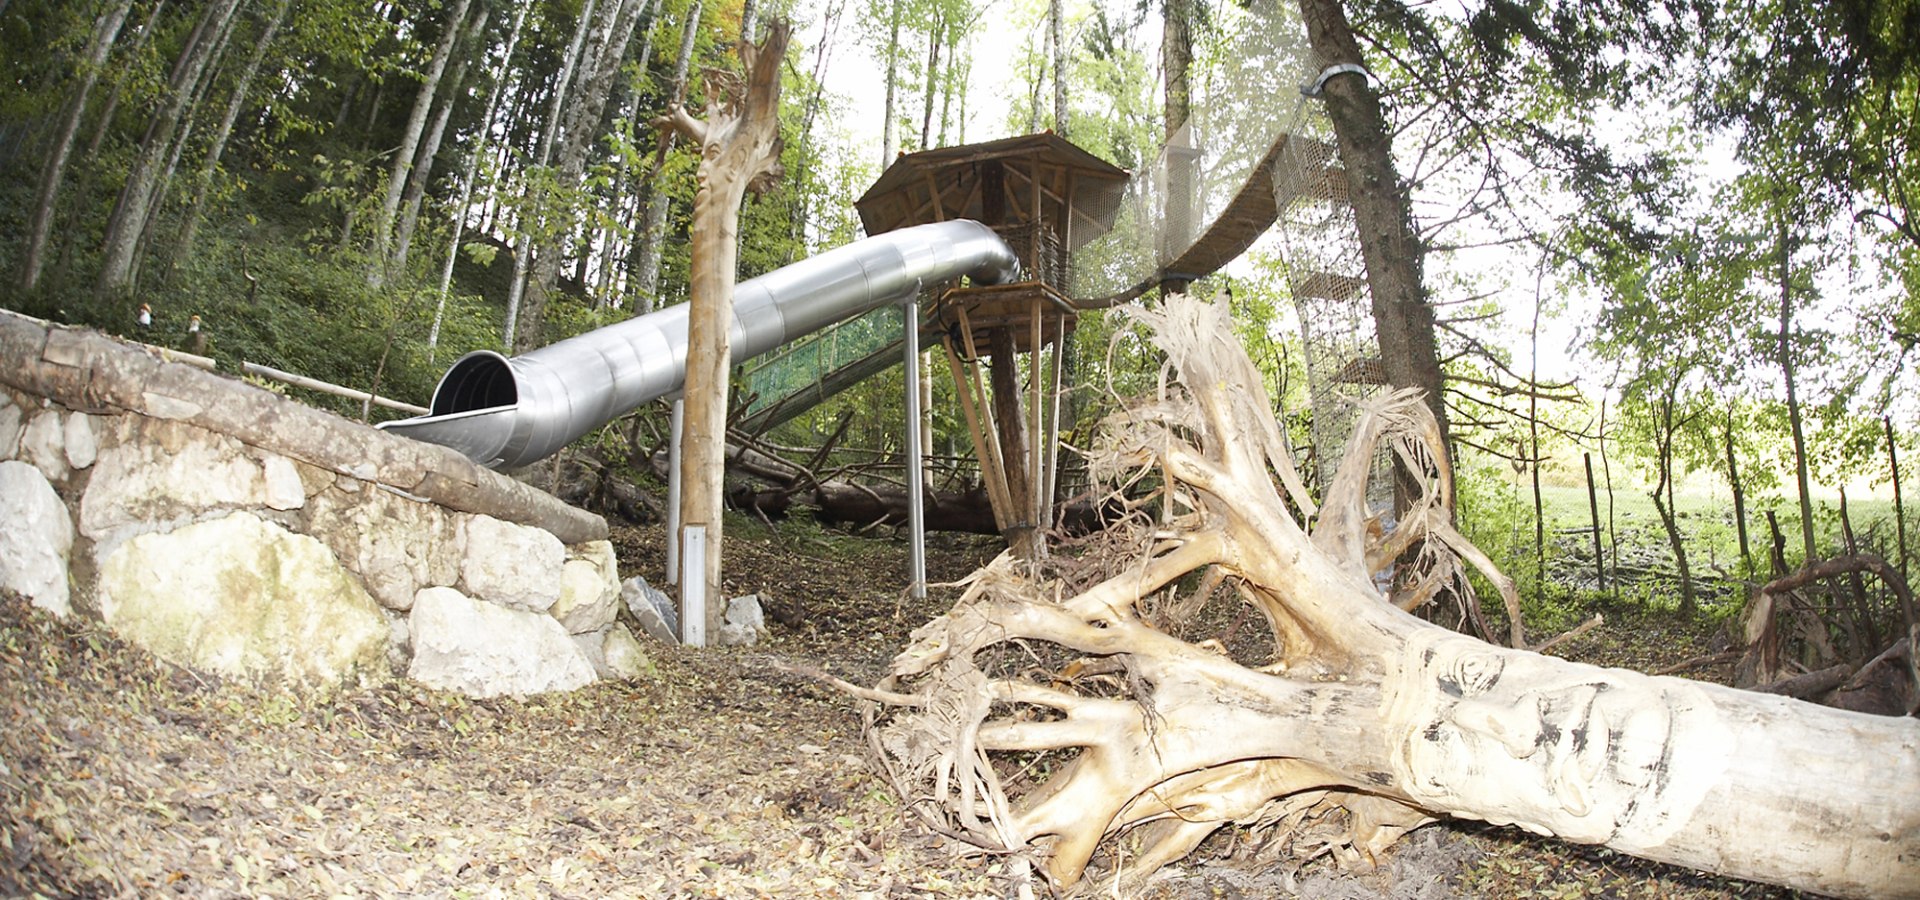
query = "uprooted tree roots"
{"x": 1062, "y": 719}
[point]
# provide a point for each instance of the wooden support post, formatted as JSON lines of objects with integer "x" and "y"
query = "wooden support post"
{"x": 1005, "y": 378}
{"x": 978, "y": 432}
{"x": 1036, "y": 467}
{"x": 1052, "y": 493}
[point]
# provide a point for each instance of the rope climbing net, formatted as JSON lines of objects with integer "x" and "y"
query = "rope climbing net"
{"x": 1256, "y": 153}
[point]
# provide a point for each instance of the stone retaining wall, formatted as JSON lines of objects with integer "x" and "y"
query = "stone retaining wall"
{"x": 229, "y": 529}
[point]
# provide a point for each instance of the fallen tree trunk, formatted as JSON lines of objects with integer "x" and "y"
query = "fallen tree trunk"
{"x": 1055, "y": 718}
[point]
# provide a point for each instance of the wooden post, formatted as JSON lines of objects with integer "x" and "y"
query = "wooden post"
{"x": 1593, "y": 510}
{"x": 1005, "y": 376}
{"x": 740, "y": 150}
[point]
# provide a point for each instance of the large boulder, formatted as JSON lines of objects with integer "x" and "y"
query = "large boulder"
{"x": 512, "y": 565}
{"x": 482, "y": 649}
{"x": 241, "y": 596}
{"x": 397, "y": 545}
{"x": 37, "y": 540}
{"x": 155, "y": 473}
{"x": 589, "y": 589}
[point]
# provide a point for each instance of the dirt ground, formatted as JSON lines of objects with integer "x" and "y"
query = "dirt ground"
{"x": 722, "y": 776}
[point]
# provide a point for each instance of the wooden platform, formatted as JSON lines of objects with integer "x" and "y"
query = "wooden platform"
{"x": 1033, "y": 312}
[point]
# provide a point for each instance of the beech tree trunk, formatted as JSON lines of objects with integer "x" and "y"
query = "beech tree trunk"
{"x": 127, "y": 224}
{"x": 1392, "y": 253}
{"x": 415, "y": 195}
{"x": 739, "y": 150}
{"x": 473, "y": 170}
{"x": 533, "y": 217}
{"x": 653, "y": 228}
{"x": 105, "y": 31}
{"x": 1053, "y": 718}
{"x": 599, "y": 64}
{"x": 210, "y": 167}
{"x": 1057, "y": 23}
{"x": 404, "y": 159}
{"x": 888, "y": 143}
{"x": 1794, "y": 417}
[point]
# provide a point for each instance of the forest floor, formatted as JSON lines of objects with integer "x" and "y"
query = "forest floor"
{"x": 723, "y": 776}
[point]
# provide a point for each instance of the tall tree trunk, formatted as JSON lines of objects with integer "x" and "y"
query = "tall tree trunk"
{"x": 105, "y": 31}
{"x": 163, "y": 186}
{"x": 740, "y": 149}
{"x": 646, "y": 263}
{"x": 1794, "y": 415}
{"x": 1739, "y": 495}
{"x": 803, "y": 198}
{"x": 210, "y": 167}
{"x": 404, "y": 156}
{"x": 1057, "y": 23}
{"x": 935, "y": 30}
{"x": 422, "y": 170}
{"x": 128, "y": 221}
{"x": 473, "y": 171}
{"x": 1663, "y": 496}
{"x": 600, "y": 62}
{"x": 887, "y": 127}
{"x": 1533, "y": 441}
{"x": 1176, "y": 56}
{"x": 104, "y": 122}
{"x": 532, "y": 219}
{"x": 1393, "y": 256}
{"x": 956, "y": 74}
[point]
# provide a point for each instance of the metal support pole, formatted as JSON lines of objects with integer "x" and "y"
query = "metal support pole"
{"x": 673, "y": 492}
{"x": 693, "y": 592}
{"x": 916, "y": 487}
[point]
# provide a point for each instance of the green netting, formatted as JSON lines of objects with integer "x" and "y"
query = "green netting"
{"x": 804, "y": 365}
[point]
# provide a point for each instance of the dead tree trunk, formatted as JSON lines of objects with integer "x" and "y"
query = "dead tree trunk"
{"x": 1051, "y": 718}
{"x": 739, "y": 150}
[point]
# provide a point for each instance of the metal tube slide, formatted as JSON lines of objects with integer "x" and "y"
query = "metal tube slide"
{"x": 504, "y": 412}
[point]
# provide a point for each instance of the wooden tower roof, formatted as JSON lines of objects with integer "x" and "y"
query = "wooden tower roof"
{"x": 1077, "y": 193}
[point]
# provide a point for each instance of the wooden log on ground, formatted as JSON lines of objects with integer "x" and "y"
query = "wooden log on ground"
{"x": 1366, "y": 721}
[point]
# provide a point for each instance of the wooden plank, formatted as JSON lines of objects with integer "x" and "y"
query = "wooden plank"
{"x": 995, "y": 482}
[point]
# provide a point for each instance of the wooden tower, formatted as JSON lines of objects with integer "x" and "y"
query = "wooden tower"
{"x": 1045, "y": 197}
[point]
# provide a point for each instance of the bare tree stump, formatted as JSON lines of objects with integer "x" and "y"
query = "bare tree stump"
{"x": 1057, "y": 719}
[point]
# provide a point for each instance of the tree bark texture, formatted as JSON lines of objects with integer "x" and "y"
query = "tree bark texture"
{"x": 532, "y": 219}
{"x": 1176, "y": 55}
{"x": 1057, "y": 23}
{"x": 403, "y": 157}
{"x": 472, "y": 172}
{"x": 1058, "y": 716}
{"x": 472, "y": 46}
{"x": 1403, "y": 319}
{"x": 653, "y": 229}
{"x": 106, "y": 30}
{"x": 127, "y": 224}
{"x": 236, "y": 102}
{"x": 739, "y": 150}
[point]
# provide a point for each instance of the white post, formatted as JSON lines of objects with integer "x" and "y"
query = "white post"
{"x": 916, "y": 461}
{"x": 693, "y": 590}
{"x": 673, "y": 493}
